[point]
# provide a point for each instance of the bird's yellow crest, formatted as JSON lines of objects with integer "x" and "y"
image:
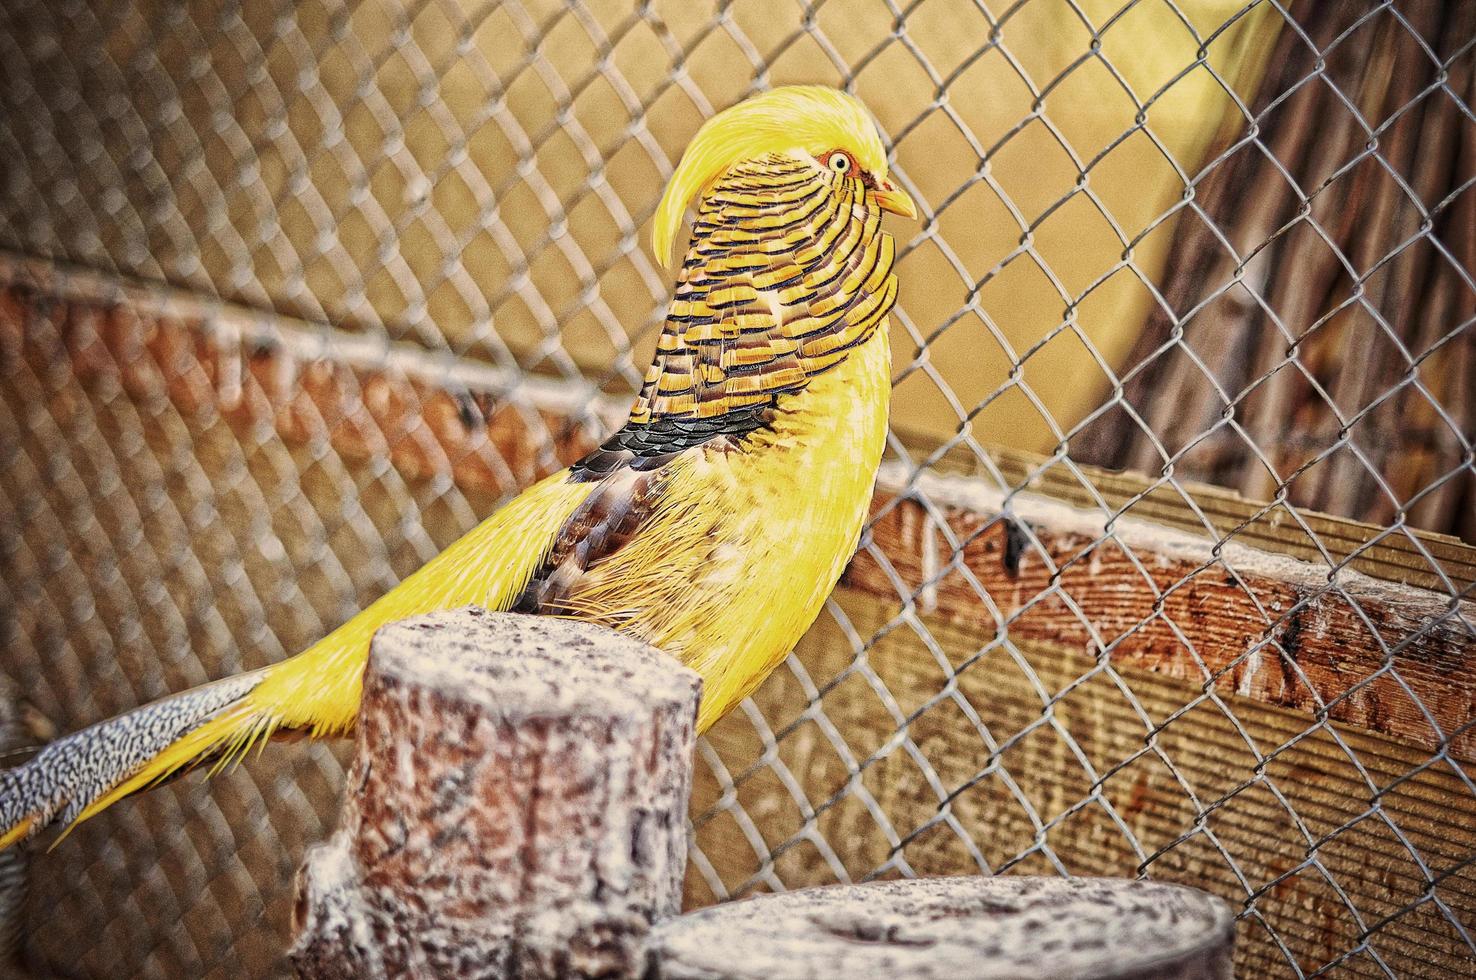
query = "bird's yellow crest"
{"x": 811, "y": 119}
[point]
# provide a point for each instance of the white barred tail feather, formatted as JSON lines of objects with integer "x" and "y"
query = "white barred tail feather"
{"x": 66, "y": 778}
{"x": 22, "y": 730}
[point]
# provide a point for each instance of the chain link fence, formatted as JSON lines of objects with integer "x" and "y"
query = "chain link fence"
{"x": 295, "y": 293}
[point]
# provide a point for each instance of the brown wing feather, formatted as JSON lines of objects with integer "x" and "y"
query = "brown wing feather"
{"x": 603, "y": 524}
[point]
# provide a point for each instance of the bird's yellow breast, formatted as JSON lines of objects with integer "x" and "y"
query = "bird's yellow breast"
{"x": 763, "y": 533}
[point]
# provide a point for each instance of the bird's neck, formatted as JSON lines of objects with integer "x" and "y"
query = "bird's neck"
{"x": 788, "y": 272}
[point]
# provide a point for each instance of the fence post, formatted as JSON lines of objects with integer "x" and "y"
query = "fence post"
{"x": 516, "y": 805}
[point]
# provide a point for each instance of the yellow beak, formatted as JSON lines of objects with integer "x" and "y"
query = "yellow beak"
{"x": 894, "y": 199}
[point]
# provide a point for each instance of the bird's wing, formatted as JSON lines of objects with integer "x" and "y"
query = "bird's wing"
{"x": 620, "y": 505}
{"x": 637, "y": 546}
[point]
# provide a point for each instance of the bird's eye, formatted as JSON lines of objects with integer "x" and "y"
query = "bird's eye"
{"x": 840, "y": 162}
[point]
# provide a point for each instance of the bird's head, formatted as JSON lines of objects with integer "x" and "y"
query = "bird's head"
{"x": 824, "y": 125}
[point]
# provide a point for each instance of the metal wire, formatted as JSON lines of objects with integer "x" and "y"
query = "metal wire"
{"x": 469, "y": 183}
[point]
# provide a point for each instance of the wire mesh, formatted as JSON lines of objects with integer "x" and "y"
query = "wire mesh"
{"x": 1208, "y": 241}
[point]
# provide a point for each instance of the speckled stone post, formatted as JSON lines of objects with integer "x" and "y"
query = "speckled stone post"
{"x": 516, "y": 805}
{"x": 945, "y": 928}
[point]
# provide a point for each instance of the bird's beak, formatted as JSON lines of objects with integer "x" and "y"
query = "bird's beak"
{"x": 890, "y": 197}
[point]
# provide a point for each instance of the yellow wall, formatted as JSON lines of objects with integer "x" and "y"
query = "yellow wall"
{"x": 380, "y": 257}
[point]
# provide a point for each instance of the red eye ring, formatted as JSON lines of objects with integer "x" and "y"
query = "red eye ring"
{"x": 840, "y": 162}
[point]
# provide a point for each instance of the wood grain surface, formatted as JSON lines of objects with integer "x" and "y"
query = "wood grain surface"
{"x": 939, "y": 751}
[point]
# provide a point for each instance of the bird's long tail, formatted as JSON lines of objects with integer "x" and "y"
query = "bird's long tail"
{"x": 314, "y": 693}
{"x": 77, "y": 776}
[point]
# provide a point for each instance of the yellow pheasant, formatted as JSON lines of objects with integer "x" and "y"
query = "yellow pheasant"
{"x": 712, "y": 525}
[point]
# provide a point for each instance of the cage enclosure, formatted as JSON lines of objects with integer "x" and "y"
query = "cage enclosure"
{"x": 1169, "y": 568}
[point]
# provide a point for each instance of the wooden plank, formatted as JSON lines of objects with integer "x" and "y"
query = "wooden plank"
{"x": 488, "y": 429}
{"x": 1389, "y": 657}
{"x": 1404, "y": 554}
{"x": 1038, "y": 757}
